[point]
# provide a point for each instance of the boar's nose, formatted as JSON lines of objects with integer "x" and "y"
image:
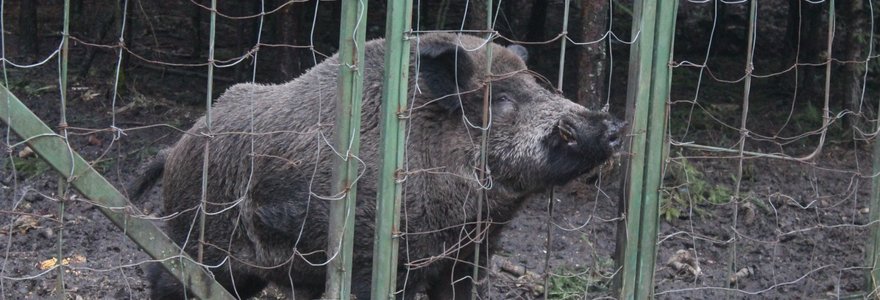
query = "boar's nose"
{"x": 612, "y": 132}
{"x": 580, "y": 136}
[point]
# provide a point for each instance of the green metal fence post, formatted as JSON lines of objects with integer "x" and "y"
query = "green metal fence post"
{"x": 347, "y": 142}
{"x": 656, "y": 145}
{"x": 394, "y": 103}
{"x": 648, "y": 90}
{"x": 638, "y": 90}
{"x": 873, "y": 251}
{"x": 79, "y": 174}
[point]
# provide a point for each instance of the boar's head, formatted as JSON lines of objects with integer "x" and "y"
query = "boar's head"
{"x": 537, "y": 138}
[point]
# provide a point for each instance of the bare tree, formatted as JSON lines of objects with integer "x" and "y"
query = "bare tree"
{"x": 591, "y": 61}
{"x": 476, "y": 15}
{"x": 195, "y": 18}
{"x": 853, "y": 15}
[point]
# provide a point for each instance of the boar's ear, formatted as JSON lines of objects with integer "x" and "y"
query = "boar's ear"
{"x": 519, "y": 51}
{"x": 446, "y": 68}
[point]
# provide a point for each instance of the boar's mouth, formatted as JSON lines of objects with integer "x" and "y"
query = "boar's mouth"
{"x": 575, "y": 147}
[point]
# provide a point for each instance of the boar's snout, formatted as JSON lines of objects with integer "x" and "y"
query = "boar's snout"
{"x": 590, "y": 134}
{"x": 612, "y": 133}
{"x": 579, "y": 142}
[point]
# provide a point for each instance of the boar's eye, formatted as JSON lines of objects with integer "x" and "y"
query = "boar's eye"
{"x": 503, "y": 105}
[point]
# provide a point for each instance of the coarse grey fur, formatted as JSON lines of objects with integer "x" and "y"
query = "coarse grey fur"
{"x": 277, "y": 229}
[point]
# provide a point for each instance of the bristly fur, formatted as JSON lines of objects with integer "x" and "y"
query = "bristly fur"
{"x": 277, "y": 230}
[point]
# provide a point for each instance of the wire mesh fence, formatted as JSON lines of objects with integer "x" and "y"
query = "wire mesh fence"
{"x": 767, "y": 148}
{"x": 769, "y": 176}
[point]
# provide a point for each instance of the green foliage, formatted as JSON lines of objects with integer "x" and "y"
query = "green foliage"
{"x": 26, "y": 87}
{"x": 104, "y": 165}
{"x": 808, "y": 119}
{"x": 26, "y": 167}
{"x": 145, "y": 153}
{"x": 689, "y": 189}
{"x": 581, "y": 281}
{"x": 759, "y": 204}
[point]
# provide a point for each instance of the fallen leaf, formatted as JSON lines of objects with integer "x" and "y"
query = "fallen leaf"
{"x": 750, "y": 213}
{"x": 77, "y": 259}
{"x": 47, "y": 264}
{"x": 26, "y": 152}
{"x": 683, "y": 262}
{"x": 52, "y": 262}
{"x": 742, "y": 273}
{"x": 90, "y": 95}
{"x": 25, "y": 223}
{"x": 94, "y": 140}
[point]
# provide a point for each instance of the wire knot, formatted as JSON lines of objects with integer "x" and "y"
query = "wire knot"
{"x": 117, "y": 132}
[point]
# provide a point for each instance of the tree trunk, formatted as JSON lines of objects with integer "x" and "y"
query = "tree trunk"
{"x": 195, "y": 18}
{"x": 513, "y": 18}
{"x": 254, "y": 24}
{"x": 591, "y": 61}
{"x": 29, "y": 40}
{"x": 537, "y": 21}
{"x": 476, "y": 15}
{"x": 813, "y": 41}
{"x": 853, "y": 15}
{"x": 288, "y": 24}
{"x": 792, "y": 26}
{"x": 129, "y": 37}
{"x": 101, "y": 28}
{"x": 244, "y": 41}
{"x": 536, "y": 26}
{"x": 292, "y": 27}
{"x": 439, "y": 15}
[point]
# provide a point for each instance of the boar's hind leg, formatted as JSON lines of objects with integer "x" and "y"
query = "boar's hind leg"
{"x": 307, "y": 292}
{"x": 166, "y": 286}
{"x": 162, "y": 284}
{"x": 445, "y": 289}
{"x": 457, "y": 286}
{"x": 246, "y": 285}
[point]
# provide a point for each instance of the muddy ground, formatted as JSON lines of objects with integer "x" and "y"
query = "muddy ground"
{"x": 802, "y": 234}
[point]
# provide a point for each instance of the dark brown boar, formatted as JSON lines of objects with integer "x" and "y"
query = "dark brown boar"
{"x": 267, "y": 220}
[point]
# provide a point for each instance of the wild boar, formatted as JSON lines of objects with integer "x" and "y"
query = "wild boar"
{"x": 267, "y": 220}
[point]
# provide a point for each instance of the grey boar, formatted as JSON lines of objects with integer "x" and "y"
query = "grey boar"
{"x": 267, "y": 222}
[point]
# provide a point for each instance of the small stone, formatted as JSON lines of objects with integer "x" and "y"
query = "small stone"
{"x": 32, "y": 196}
{"x": 47, "y": 233}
